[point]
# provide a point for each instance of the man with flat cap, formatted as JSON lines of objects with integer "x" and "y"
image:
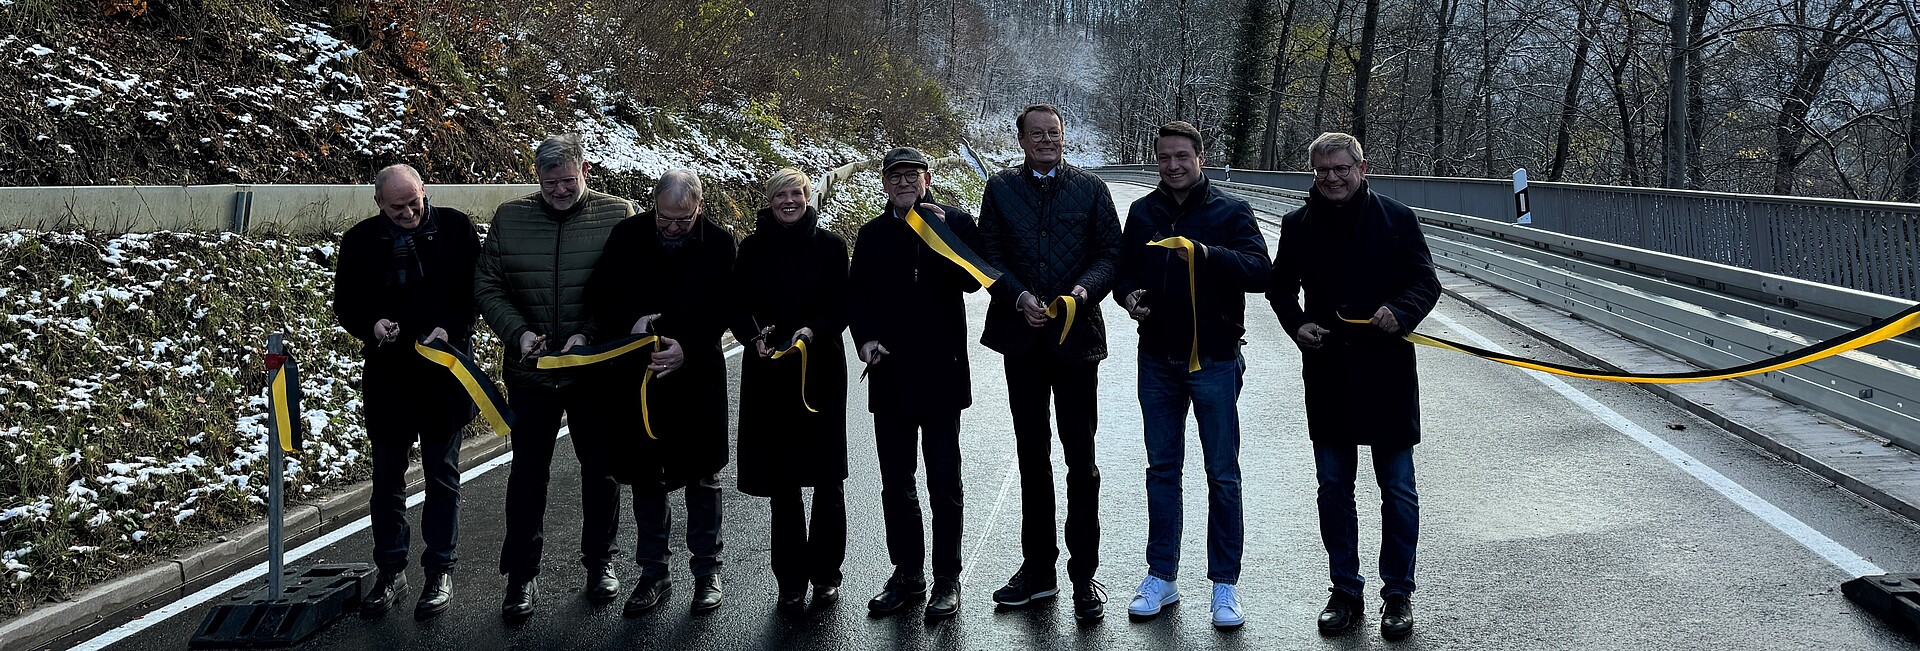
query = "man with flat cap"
{"x": 909, "y": 322}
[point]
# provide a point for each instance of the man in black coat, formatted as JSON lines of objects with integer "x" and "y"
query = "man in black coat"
{"x": 406, "y": 275}
{"x": 1050, "y": 228}
{"x": 668, "y": 271}
{"x": 909, "y": 322}
{"x": 1359, "y": 256}
{"x": 1179, "y": 328}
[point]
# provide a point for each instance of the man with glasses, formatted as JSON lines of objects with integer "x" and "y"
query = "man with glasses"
{"x": 1363, "y": 263}
{"x": 1052, "y": 229}
{"x": 668, "y": 271}
{"x": 906, "y": 314}
{"x": 531, "y": 287}
{"x": 406, "y": 275}
{"x": 1198, "y": 308}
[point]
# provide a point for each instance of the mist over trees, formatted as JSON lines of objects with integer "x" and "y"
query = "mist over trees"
{"x": 1802, "y": 97}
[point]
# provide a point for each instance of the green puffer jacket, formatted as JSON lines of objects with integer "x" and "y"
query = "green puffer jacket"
{"x": 533, "y": 272}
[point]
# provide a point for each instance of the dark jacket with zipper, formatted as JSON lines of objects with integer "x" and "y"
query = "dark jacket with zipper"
{"x": 1047, "y": 235}
{"x": 1361, "y": 386}
{"x": 532, "y": 275}
{"x": 791, "y": 277}
{"x": 904, "y": 295}
{"x": 690, "y": 287}
{"x": 434, "y": 290}
{"x": 1234, "y": 264}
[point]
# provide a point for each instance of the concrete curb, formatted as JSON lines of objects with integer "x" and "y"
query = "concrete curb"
{"x": 1864, "y": 464}
{"x": 206, "y": 564}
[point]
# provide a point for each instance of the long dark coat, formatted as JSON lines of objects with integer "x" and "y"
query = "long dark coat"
{"x": 790, "y": 277}
{"x": 691, "y": 290}
{"x": 1361, "y": 387}
{"x": 438, "y": 293}
{"x": 907, "y": 297}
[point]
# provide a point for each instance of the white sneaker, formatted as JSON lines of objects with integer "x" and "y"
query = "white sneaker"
{"x": 1226, "y": 607}
{"x": 1152, "y": 594}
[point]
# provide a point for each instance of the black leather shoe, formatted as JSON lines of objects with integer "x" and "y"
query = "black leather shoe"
{"x": 1026, "y": 586}
{"x": 825, "y": 595}
{"x": 1396, "y": 618}
{"x": 436, "y": 597}
{"x": 386, "y": 590}
{"x": 706, "y": 593}
{"x": 1089, "y": 600}
{"x": 521, "y": 597}
{"x": 602, "y": 584}
{"x": 1342, "y": 612}
{"x": 647, "y": 594}
{"x": 945, "y": 601}
{"x": 900, "y": 590}
{"x": 792, "y": 601}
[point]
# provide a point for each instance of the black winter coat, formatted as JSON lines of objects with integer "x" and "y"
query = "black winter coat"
{"x": 790, "y": 277}
{"x": 397, "y": 383}
{"x": 1048, "y": 235}
{"x": 902, "y": 294}
{"x": 1235, "y": 264}
{"x": 691, "y": 290}
{"x": 1361, "y": 384}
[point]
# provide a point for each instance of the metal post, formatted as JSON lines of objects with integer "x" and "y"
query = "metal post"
{"x": 275, "y": 462}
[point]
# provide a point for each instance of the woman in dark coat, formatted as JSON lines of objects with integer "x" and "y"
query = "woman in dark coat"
{"x": 791, "y": 279}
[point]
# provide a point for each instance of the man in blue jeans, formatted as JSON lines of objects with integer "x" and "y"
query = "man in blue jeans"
{"x": 1368, "y": 278}
{"x": 1190, "y": 354}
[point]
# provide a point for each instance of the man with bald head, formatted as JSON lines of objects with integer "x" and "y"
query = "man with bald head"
{"x": 406, "y": 275}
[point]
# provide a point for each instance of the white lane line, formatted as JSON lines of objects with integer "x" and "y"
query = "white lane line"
{"x": 1807, "y": 536}
{"x": 993, "y": 518}
{"x": 734, "y": 351}
{"x": 259, "y": 572}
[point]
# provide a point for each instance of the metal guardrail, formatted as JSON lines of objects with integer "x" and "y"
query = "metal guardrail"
{"x": 1707, "y": 313}
{"x": 236, "y": 208}
{"x": 1869, "y": 246}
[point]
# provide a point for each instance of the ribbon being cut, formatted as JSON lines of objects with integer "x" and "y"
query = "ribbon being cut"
{"x": 1883, "y": 330}
{"x": 588, "y": 355}
{"x": 1193, "y": 302}
{"x": 479, "y": 387}
{"x": 799, "y": 346}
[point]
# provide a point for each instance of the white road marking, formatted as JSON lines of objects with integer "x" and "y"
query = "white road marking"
{"x": 993, "y": 518}
{"x": 1800, "y": 532}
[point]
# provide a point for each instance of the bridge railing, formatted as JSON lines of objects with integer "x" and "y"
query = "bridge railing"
{"x": 236, "y": 208}
{"x": 1710, "y": 314}
{"x": 1870, "y": 246}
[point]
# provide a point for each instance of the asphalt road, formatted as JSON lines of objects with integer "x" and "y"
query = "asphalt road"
{"x": 1542, "y": 527}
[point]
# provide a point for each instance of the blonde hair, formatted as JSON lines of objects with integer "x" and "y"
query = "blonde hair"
{"x": 788, "y": 177}
{"x": 1333, "y": 141}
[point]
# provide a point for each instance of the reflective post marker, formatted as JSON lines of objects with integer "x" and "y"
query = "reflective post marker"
{"x": 1521, "y": 208}
{"x": 276, "y": 544}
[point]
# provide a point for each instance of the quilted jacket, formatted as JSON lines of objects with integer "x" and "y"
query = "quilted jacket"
{"x": 533, "y": 271}
{"x": 1048, "y": 235}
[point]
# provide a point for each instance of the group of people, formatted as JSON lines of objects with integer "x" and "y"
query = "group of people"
{"x": 569, "y": 269}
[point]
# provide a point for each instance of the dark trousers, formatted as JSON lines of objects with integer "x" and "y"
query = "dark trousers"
{"x": 653, "y": 522}
{"x": 1032, "y": 378}
{"x": 392, "y": 437}
{"x": 1335, "y": 466}
{"x": 939, "y": 438}
{"x": 800, "y": 555}
{"x": 536, "y": 426}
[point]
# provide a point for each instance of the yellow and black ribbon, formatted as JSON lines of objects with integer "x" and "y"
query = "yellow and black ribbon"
{"x": 799, "y": 346}
{"x": 1064, "y": 305}
{"x": 942, "y": 240}
{"x": 1888, "y": 328}
{"x": 1193, "y": 298}
{"x": 479, "y": 387}
{"x": 284, "y": 393}
{"x": 585, "y": 355}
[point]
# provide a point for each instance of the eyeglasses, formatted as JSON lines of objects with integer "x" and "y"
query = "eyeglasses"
{"x": 554, "y": 183}
{"x": 1044, "y": 136}
{"x": 903, "y": 178}
{"x": 1337, "y": 170}
{"x": 678, "y": 222}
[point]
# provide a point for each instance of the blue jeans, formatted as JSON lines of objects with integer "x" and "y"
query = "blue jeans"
{"x": 1166, "y": 388}
{"x": 1335, "y": 467}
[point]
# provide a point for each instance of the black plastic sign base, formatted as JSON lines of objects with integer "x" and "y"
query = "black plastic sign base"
{"x": 1894, "y": 598}
{"x": 311, "y": 598}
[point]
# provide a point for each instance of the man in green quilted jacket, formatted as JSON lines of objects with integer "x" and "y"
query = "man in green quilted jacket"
{"x": 531, "y": 288}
